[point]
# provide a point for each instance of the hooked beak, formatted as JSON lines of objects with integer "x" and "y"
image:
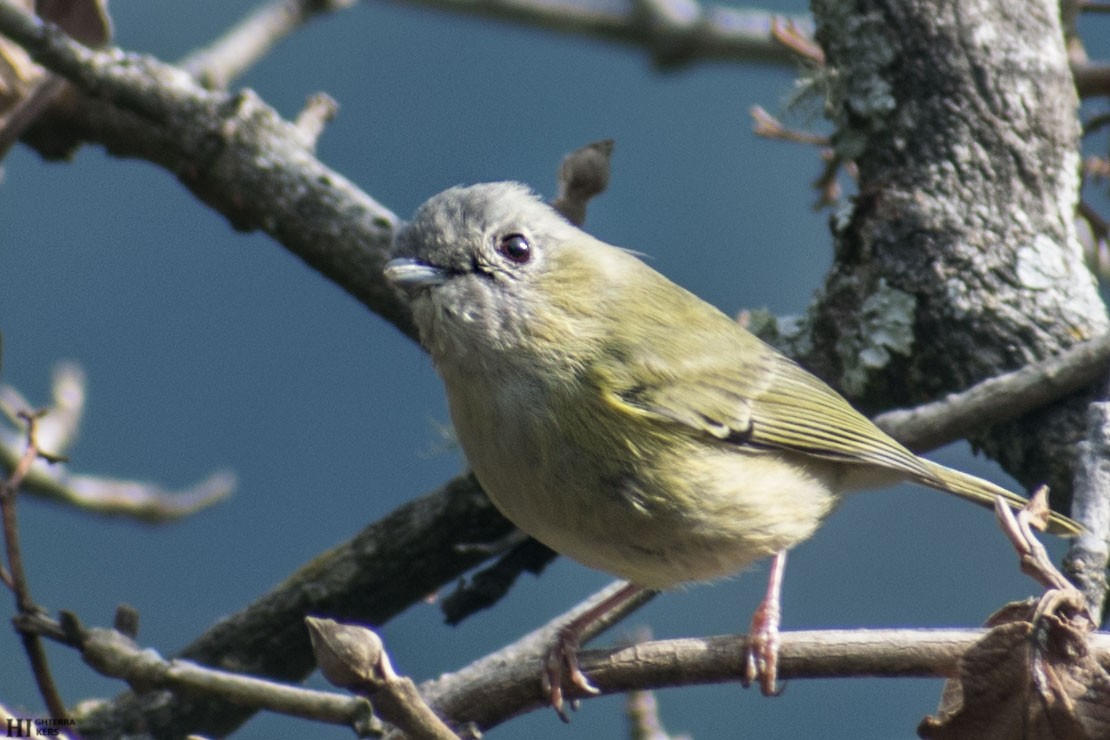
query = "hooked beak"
{"x": 410, "y": 273}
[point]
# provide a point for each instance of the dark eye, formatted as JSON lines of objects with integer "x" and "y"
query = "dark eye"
{"x": 515, "y": 248}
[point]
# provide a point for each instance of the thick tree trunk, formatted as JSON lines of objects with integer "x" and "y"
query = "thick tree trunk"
{"x": 958, "y": 259}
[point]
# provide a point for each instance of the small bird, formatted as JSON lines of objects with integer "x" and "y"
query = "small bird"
{"x": 623, "y": 421}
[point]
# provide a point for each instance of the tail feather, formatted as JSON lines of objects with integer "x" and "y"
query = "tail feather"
{"x": 984, "y": 493}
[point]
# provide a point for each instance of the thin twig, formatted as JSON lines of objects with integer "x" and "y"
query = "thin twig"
{"x": 674, "y": 32}
{"x": 353, "y": 657}
{"x": 998, "y": 399}
{"x": 583, "y": 174}
{"x": 489, "y": 585}
{"x": 113, "y": 654}
{"x": 1018, "y": 528}
{"x": 233, "y": 53}
{"x": 213, "y": 142}
{"x": 9, "y": 489}
{"x": 791, "y": 35}
{"x": 514, "y": 673}
{"x": 57, "y": 430}
{"x": 1091, "y": 78}
{"x": 766, "y": 125}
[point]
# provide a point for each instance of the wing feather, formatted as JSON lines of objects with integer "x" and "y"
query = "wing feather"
{"x": 776, "y": 405}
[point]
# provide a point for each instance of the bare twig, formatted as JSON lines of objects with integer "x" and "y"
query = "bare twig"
{"x": 252, "y": 38}
{"x": 827, "y": 183}
{"x": 17, "y": 576}
{"x": 583, "y": 174}
{"x": 38, "y": 98}
{"x": 1091, "y": 78}
{"x": 142, "y": 500}
{"x": 506, "y": 683}
{"x": 353, "y": 657}
{"x": 318, "y": 111}
{"x": 57, "y": 430}
{"x": 794, "y": 37}
{"x": 114, "y": 654}
{"x": 512, "y": 688}
{"x": 514, "y": 673}
{"x": 643, "y": 717}
{"x": 214, "y": 143}
{"x": 1093, "y": 231}
{"x": 1018, "y": 528}
{"x": 368, "y": 579}
{"x": 675, "y": 32}
{"x": 998, "y": 399}
{"x": 640, "y": 707}
{"x": 486, "y": 587}
{"x": 764, "y": 124}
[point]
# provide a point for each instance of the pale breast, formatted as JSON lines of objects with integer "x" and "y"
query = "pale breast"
{"x": 706, "y": 512}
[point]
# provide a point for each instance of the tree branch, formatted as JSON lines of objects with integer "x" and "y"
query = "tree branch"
{"x": 16, "y": 576}
{"x": 998, "y": 399}
{"x": 56, "y": 431}
{"x": 676, "y": 32}
{"x": 389, "y": 566}
{"x": 487, "y": 698}
{"x": 252, "y": 38}
{"x": 506, "y": 683}
{"x": 354, "y": 658}
{"x": 137, "y": 106}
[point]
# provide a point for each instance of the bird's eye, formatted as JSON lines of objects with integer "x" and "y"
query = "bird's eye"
{"x": 515, "y": 248}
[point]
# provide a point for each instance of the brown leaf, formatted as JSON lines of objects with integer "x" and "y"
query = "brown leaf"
{"x": 1031, "y": 677}
{"x": 26, "y": 89}
{"x": 85, "y": 20}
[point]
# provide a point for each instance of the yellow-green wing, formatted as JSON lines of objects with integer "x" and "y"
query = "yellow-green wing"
{"x": 799, "y": 411}
{"x": 759, "y": 398}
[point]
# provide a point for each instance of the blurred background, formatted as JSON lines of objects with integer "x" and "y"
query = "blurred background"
{"x": 208, "y": 349}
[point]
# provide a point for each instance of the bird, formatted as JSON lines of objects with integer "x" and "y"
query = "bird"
{"x": 623, "y": 421}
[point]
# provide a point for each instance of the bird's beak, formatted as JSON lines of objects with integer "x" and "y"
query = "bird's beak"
{"x": 410, "y": 273}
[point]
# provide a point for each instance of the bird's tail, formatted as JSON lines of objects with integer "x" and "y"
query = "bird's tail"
{"x": 984, "y": 493}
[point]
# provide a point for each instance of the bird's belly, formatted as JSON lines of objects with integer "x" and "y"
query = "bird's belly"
{"x": 694, "y": 530}
{"x": 703, "y": 512}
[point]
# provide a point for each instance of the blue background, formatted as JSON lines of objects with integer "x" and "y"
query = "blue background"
{"x": 209, "y": 349}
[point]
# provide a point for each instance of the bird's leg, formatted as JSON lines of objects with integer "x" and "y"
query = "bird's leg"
{"x": 762, "y": 653}
{"x": 561, "y": 659}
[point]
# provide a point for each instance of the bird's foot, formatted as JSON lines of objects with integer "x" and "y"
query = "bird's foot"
{"x": 561, "y": 662}
{"x": 761, "y": 656}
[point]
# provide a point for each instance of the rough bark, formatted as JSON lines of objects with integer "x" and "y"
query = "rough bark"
{"x": 958, "y": 258}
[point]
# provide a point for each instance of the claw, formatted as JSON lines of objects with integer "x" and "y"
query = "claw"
{"x": 762, "y": 656}
{"x": 761, "y": 659}
{"x": 561, "y": 662}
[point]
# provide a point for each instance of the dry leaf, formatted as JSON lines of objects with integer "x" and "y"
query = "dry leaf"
{"x": 85, "y": 20}
{"x": 25, "y": 87}
{"x": 1031, "y": 677}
